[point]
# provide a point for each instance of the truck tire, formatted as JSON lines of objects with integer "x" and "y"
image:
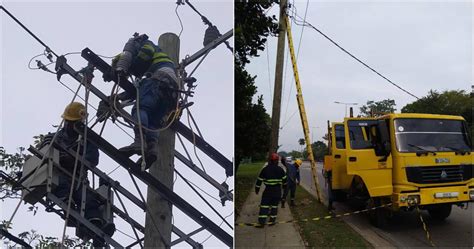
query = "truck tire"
{"x": 439, "y": 212}
{"x": 378, "y": 217}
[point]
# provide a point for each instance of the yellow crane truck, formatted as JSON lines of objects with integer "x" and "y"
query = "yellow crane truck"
{"x": 403, "y": 159}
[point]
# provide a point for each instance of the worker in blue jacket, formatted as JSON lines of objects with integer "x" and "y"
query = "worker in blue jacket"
{"x": 157, "y": 92}
{"x": 75, "y": 113}
{"x": 293, "y": 174}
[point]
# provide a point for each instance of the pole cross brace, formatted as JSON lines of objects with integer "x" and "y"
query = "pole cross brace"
{"x": 178, "y": 126}
{"x": 84, "y": 221}
{"x": 159, "y": 187}
{"x": 116, "y": 185}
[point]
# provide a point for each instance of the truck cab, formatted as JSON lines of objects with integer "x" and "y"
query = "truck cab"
{"x": 407, "y": 160}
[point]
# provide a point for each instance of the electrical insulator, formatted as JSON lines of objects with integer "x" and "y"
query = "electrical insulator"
{"x": 211, "y": 34}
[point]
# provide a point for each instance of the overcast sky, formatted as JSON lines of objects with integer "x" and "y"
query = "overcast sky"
{"x": 32, "y": 100}
{"x": 419, "y": 45}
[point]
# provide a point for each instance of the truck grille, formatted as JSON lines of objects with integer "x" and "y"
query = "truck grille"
{"x": 439, "y": 174}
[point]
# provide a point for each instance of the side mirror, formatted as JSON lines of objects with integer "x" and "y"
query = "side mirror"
{"x": 384, "y": 134}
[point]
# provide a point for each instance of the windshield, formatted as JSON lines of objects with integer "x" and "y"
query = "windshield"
{"x": 431, "y": 135}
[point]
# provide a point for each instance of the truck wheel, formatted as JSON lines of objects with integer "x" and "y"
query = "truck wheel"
{"x": 440, "y": 212}
{"x": 378, "y": 217}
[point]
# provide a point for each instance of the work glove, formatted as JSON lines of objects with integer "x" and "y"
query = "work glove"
{"x": 110, "y": 75}
{"x": 103, "y": 111}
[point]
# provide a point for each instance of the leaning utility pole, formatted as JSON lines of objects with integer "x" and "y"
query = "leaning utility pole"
{"x": 278, "y": 79}
{"x": 159, "y": 209}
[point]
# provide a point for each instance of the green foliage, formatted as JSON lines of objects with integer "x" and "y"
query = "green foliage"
{"x": 301, "y": 141}
{"x": 453, "y": 102}
{"x": 325, "y": 233}
{"x": 252, "y": 27}
{"x": 377, "y": 108}
{"x": 252, "y": 123}
{"x": 245, "y": 182}
{"x": 11, "y": 165}
{"x": 296, "y": 154}
{"x": 320, "y": 149}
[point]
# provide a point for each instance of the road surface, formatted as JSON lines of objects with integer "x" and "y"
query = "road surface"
{"x": 405, "y": 230}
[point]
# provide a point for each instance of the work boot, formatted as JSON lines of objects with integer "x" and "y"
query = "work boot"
{"x": 282, "y": 203}
{"x": 136, "y": 147}
{"x": 151, "y": 153}
{"x": 292, "y": 203}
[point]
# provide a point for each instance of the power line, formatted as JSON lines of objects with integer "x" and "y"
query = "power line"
{"x": 27, "y": 30}
{"x": 305, "y": 23}
{"x": 297, "y": 55}
{"x": 208, "y": 23}
{"x": 268, "y": 69}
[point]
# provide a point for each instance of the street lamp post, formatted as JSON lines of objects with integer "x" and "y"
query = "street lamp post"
{"x": 312, "y": 133}
{"x": 345, "y": 106}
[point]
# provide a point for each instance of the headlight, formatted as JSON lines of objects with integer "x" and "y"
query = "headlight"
{"x": 403, "y": 198}
{"x": 471, "y": 195}
{"x": 413, "y": 200}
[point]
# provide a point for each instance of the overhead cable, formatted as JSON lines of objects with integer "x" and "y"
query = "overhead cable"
{"x": 207, "y": 22}
{"x": 27, "y": 30}
{"x": 305, "y": 23}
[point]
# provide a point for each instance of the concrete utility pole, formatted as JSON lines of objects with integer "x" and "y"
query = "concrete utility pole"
{"x": 159, "y": 209}
{"x": 278, "y": 79}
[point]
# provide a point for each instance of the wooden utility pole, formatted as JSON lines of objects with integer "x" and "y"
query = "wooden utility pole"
{"x": 159, "y": 209}
{"x": 278, "y": 79}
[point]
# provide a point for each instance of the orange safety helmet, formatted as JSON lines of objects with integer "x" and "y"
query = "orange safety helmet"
{"x": 274, "y": 157}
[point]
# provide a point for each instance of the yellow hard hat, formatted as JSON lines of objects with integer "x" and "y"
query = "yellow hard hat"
{"x": 299, "y": 162}
{"x": 74, "y": 112}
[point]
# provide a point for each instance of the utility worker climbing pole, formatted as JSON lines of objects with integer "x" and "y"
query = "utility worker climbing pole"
{"x": 293, "y": 174}
{"x": 274, "y": 177}
{"x": 157, "y": 93}
{"x": 68, "y": 137}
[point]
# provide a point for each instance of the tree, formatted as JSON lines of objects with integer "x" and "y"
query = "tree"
{"x": 252, "y": 27}
{"x": 450, "y": 102}
{"x": 320, "y": 149}
{"x": 252, "y": 123}
{"x": 378, "y": 108}
{"x": 302, "y": 142}
{"x": 296, "y": 154}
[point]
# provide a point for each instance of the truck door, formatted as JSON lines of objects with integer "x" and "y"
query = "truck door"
{"x": 341, "y": 180}
{"x": 362, "y": 146}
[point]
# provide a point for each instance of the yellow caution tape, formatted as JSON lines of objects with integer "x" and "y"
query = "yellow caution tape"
{"x": 313, "y": 219}
{"x": 428, "y": 236}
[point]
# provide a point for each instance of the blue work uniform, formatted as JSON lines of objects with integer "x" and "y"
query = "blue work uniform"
{"x": 157, "y": 93}
{"x": 293, "y": 173}
{"x": 274, "y": 179}
{"x": 67, "y": 162}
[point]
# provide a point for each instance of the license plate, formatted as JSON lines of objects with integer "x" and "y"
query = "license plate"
{"x": 446, "y": 195}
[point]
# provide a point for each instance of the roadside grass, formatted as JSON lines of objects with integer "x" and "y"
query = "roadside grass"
{"x": 246, "y": 177}
{"x": 323, "y": 233}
